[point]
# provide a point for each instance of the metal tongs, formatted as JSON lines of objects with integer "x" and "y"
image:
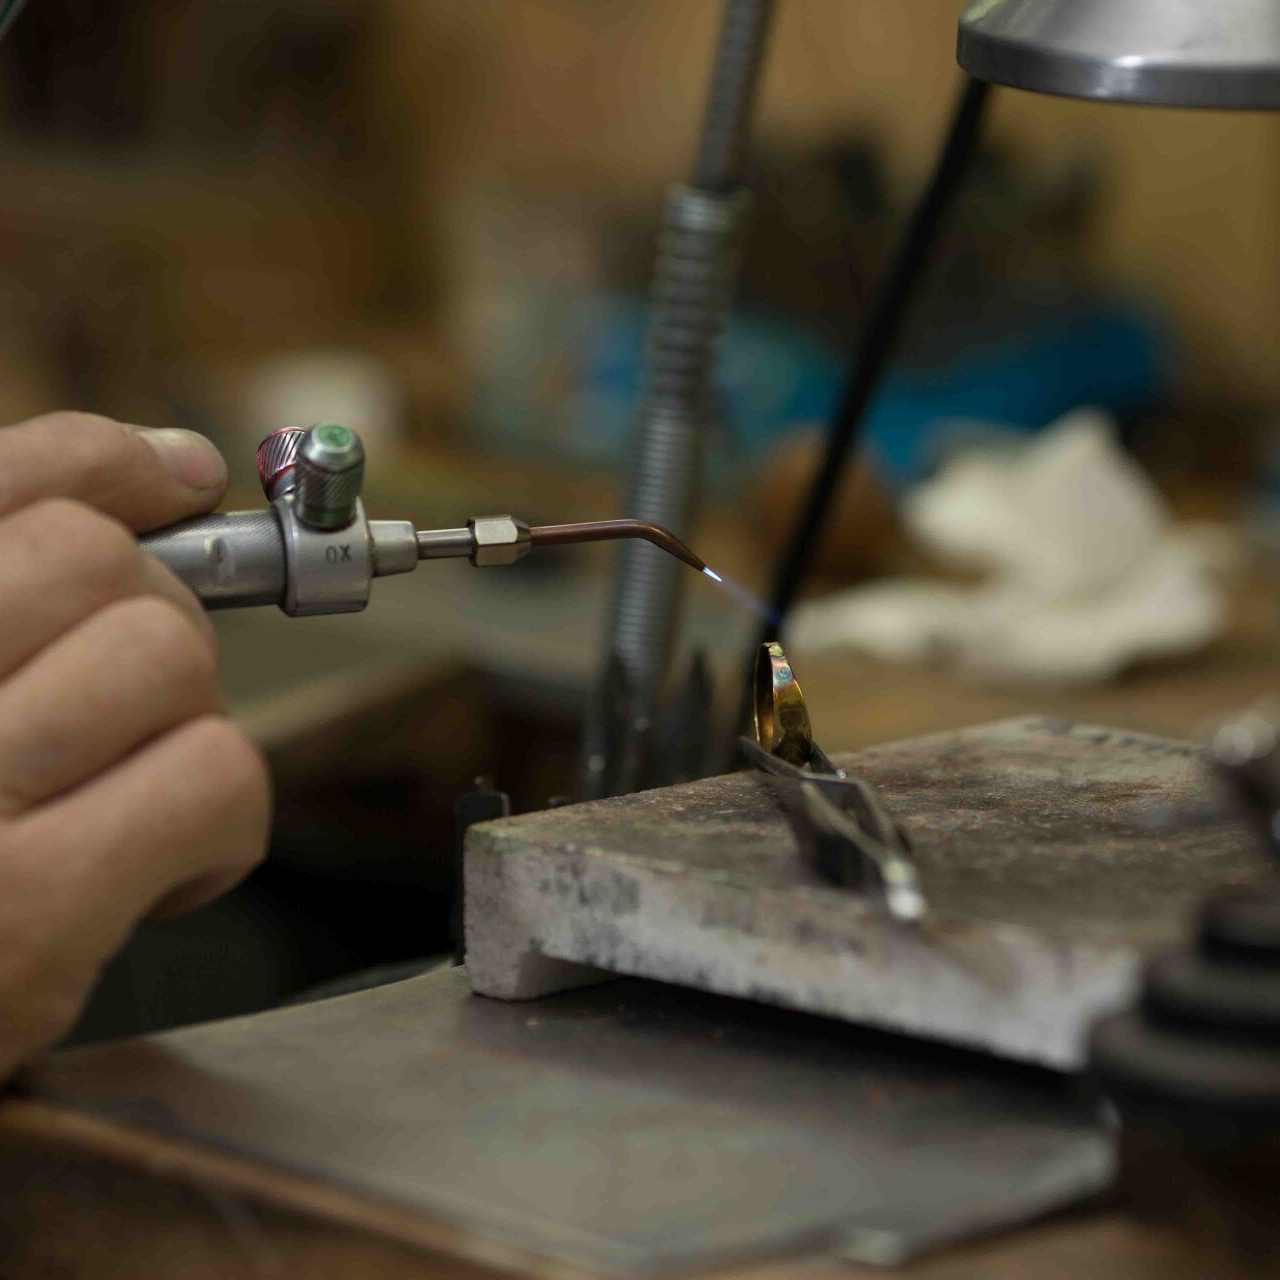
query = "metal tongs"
{"x": 845, "y": 831}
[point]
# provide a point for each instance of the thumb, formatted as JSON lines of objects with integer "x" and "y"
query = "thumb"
{"x": 143, "y": 478}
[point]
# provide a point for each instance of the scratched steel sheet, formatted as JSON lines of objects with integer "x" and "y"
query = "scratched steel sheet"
{"x": 630, "y": 1128}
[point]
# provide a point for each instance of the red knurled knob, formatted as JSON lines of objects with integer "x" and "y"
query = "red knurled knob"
{"x": 278, "y": 462}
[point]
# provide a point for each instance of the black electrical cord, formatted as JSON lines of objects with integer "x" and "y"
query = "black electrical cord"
{"x": 871, "y": 358}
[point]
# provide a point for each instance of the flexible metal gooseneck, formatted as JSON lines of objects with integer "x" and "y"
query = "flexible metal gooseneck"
{"x": 695, "y": 272}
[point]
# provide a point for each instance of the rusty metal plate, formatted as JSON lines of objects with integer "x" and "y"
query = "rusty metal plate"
{"x": 630, "y": 1128}
{"x": 1053, "y": 857}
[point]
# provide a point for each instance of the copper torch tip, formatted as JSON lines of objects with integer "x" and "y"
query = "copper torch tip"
{"x": 549, "y": 535}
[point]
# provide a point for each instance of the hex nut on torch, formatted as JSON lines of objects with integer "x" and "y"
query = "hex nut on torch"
{"x": 498, "y": 540}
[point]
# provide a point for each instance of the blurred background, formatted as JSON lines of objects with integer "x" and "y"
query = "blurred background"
{"x": 434, "y": 221}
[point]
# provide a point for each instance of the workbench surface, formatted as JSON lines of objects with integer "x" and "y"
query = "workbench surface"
{"x": 416, "y": 1130}
{"x": 94, "y": 1194}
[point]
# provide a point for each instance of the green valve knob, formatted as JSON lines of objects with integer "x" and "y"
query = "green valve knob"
{"x": 330, "y": 472}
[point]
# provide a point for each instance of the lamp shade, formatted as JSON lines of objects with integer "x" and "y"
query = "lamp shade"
{"x": 1171, "y": 53}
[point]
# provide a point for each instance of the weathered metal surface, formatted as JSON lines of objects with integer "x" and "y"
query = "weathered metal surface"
{"x": 1052, "y": 855}
{"x": 632, "y": 1129}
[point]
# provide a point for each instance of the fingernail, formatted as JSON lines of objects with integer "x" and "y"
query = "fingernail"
{"x": 189, "y": 457}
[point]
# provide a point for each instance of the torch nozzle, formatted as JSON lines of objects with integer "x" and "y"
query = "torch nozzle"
{"x": 550, "y": 535}
{"x": 492, "y": 540}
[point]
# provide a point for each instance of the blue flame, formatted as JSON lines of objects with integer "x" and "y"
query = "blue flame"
{"x": 742, "y": 596}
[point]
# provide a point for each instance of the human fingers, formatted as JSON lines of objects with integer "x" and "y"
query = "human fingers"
{"x": 61, "y": 561}
{"x": 77, "y": 874}
{"x": 144, "y": 478}
{"x": 123, "y": 676}
{"x": 192, "y": 805}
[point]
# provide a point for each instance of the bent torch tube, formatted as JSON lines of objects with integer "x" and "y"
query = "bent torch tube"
{"x": 552, "y": 535}
{"x": 490, "y": 540}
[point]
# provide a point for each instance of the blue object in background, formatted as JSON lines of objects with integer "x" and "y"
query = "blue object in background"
{"x": 565, "y": 374}
{"x": 1101, "y": 353}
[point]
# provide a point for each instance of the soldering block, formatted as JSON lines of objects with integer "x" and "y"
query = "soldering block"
{"x": 1054, "y": 856}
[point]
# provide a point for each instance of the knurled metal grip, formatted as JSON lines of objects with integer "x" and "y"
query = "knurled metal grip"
{"x": 278, "y": 462}
{"x": 230, "y": 559}
{"x": 330, "y": 473}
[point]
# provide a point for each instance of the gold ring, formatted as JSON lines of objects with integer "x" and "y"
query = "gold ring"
{"x": 781, "y": 719}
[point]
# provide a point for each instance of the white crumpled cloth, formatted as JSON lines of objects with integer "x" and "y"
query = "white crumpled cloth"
{"x": 1085, "y": 571}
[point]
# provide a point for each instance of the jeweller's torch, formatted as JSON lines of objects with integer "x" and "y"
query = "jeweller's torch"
{"x": 314, "y": 551}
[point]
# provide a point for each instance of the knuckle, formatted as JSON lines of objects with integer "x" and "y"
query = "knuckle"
{"x": 63, "y": 519}
{"x": 40, "y": 993}
{"x": 159, "y": 634}
{"x": 92, "y": 546}
{"x": 97, "y": 447}
{"x": 228, "y": 752}
{"x": 77, "y": 422}
{"x": 245, "y": 788}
